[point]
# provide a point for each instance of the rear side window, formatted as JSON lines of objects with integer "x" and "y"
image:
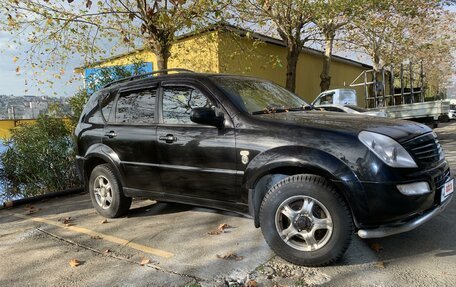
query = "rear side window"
{"x": 91, "y": 113}
{"x": 136, "y": 107}
{"x": 327, "y": 99}
{"x": 106, "y": 103}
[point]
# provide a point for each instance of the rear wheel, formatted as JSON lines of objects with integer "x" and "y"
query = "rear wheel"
{"x": 305, "y": 221}
{"x": 106, "y": 192}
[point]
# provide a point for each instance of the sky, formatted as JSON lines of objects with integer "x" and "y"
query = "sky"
{"x": 24, "y": 83}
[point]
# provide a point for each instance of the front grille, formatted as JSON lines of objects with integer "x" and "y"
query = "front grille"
{"x": 440, "y": 180}
{"x": 425, "y": 149}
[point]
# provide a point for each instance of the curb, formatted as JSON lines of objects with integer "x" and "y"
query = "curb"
{"x": 17, "y": 202}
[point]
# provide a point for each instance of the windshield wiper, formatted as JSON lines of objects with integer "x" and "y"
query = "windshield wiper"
{"x": 302, "y": 108}
{"x": 269, "y": 110}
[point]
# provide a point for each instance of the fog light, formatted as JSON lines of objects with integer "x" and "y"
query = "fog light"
{"x": 415, "y": 188}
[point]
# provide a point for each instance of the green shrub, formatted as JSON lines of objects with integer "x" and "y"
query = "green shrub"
{"x": 39, "y": 158}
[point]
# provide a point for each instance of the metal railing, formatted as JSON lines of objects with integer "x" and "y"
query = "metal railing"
{"x": 375, "y": 87}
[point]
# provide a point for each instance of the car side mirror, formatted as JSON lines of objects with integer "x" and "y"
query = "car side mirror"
{"x": 206, "y": 116}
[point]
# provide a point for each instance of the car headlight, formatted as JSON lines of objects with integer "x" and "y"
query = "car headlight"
{"x": 387, "y": 149}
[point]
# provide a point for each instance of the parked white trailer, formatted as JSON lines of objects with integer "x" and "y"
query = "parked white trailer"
{"x": 426, "y": 111}
{"x": 403, "y": 101}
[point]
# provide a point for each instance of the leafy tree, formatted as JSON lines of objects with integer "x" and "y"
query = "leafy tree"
{"x": 330, "y": 16}
{"x": 392, "y": 32}
{"x": 56, "y": 30}
{"x": 433, "y": 47}
{"x": 292, "y": 21}
{"x": 384, "y": 30}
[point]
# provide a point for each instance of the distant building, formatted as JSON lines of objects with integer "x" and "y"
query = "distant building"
{"x": 28, "y": 107}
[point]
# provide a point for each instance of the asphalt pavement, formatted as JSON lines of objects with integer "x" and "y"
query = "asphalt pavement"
{"x": 64, "y": 242}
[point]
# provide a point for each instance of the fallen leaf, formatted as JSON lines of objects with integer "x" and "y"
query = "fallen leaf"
{"x": 104, "y": 221}
{"x": 376, "y": 247}
{"x": 144, "y": 261}
{"x": 251, "y": 283}
{"x": 231, "y": 256}
{"x": 224, "y": 226}
{"x": 107, "y": 251}
{"x": 96, "y": 237}
{"x": 380, "y": 264}
{"x": 74, "y": 262}
{"x": 31, "y": 209}
{"x": 220, "y": 229}
{"x": 67, "y": 221}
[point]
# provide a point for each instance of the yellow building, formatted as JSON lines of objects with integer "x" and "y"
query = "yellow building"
{"x": 227, "y": 49}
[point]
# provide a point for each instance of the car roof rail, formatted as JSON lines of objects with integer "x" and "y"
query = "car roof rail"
{"x": 178, "y": 70}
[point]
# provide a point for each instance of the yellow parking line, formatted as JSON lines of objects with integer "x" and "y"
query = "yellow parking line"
{"x": 106, "y": 237}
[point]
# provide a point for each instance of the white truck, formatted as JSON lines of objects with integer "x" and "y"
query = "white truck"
{"x": 336, "y": 97}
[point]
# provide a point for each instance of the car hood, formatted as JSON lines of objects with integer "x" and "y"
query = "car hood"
{"x": 399, "y": 130}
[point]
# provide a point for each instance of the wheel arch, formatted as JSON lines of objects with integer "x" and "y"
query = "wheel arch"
{"x": 259, "y": 177}
{"x": 101, "y": 154}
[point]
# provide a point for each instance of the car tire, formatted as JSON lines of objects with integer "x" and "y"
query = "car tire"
{"x": 106, "y": 192}
{"x": 306, "y": 221}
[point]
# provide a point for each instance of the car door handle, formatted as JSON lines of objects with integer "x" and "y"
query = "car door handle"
{"x": 111, "y": 134}
{"x": 168, "y": 138}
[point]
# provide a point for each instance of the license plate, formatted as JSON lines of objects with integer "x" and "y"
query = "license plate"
{"x": 447, "y": 189}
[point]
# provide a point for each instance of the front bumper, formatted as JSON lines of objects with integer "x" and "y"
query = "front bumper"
{"x": 388, "y": 230}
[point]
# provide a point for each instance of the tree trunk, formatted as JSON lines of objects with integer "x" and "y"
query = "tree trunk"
{"x": 292, "y": 62}
{"x": 162, "y": 58}
{"x": 325, "y": 75}
{"x": 376, "y": 62}
{"x": 376, "y": 86}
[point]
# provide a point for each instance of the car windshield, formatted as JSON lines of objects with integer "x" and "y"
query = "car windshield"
{"x": 257, "y": 96}
{"x": 356, "y": 108}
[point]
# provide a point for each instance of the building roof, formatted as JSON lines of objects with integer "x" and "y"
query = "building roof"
{"x": 241, "y": 32}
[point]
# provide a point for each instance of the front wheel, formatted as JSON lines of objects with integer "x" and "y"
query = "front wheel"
{"x": 106, "y": 192}
{"x": 305, "y": 221}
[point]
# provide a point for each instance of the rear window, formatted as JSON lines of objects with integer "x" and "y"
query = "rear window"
{"x": 347, "y": 97}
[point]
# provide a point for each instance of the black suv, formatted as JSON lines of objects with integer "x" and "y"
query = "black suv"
{"x": 308, "y": 178}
